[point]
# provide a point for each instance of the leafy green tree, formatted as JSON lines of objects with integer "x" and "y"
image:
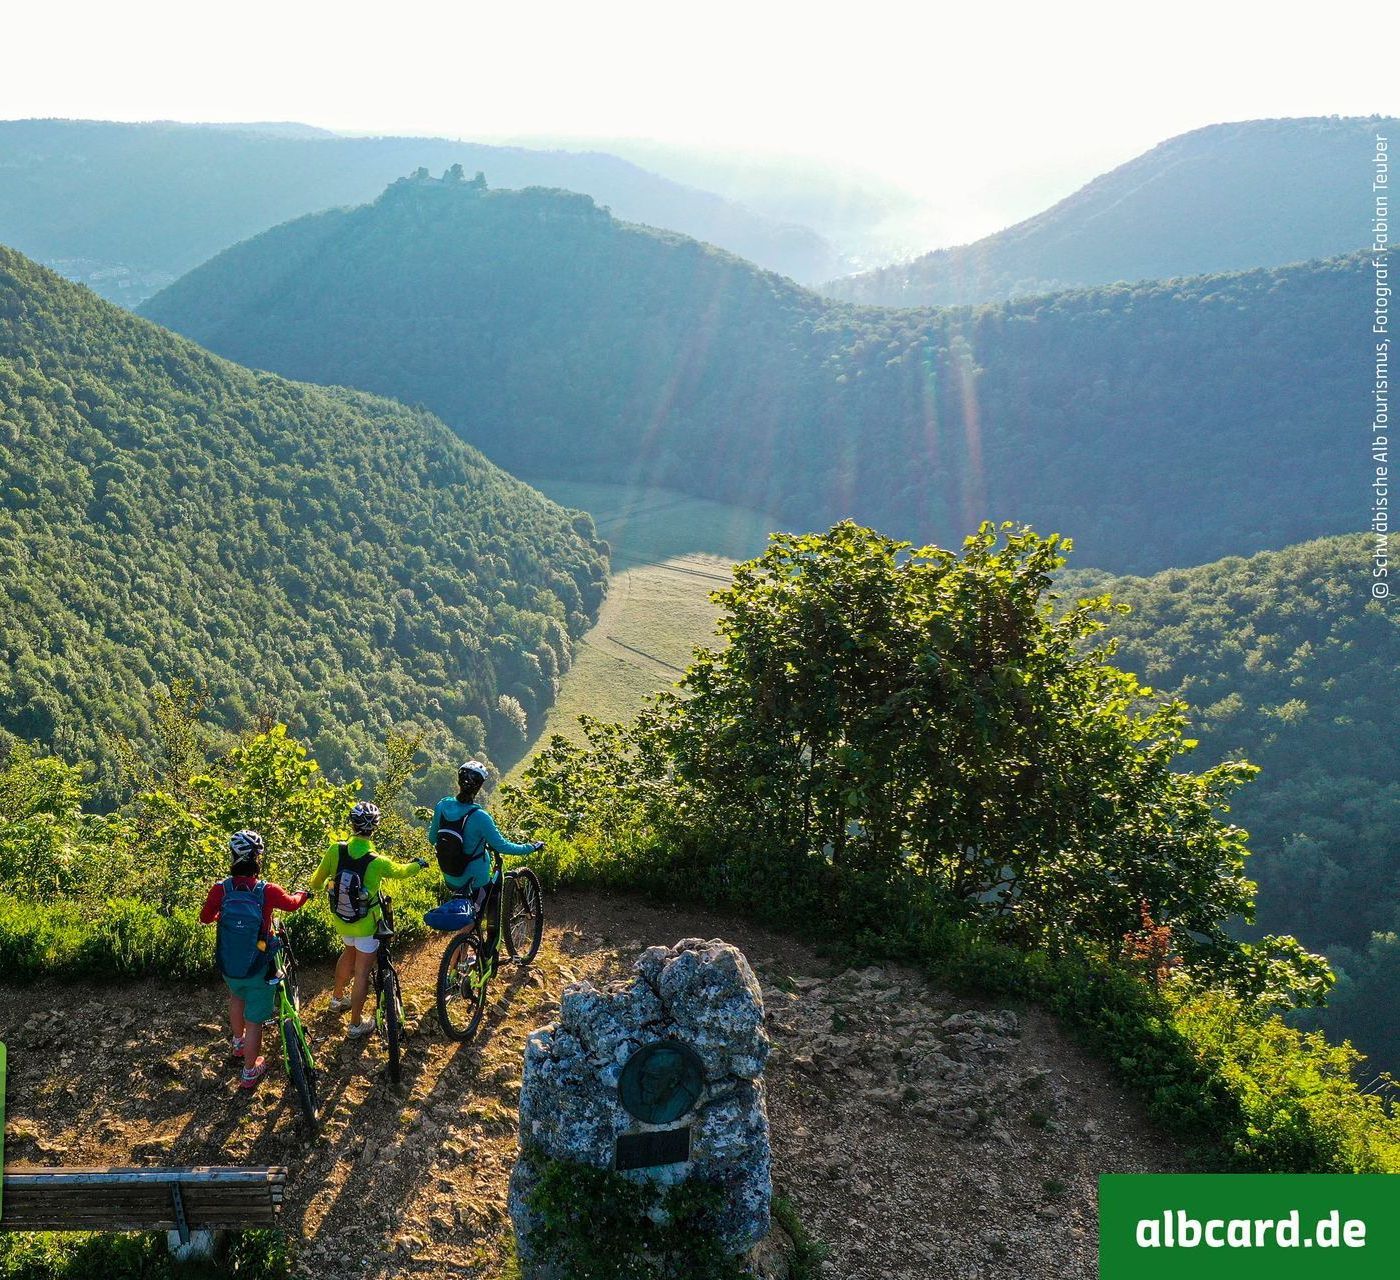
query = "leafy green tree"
{"x": 885, "y": 723}
{"x": 270, "y": 783}
{"x": 50, "y": 847}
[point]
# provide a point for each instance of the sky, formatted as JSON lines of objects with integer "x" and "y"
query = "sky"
{"x": 1003, "y": 104}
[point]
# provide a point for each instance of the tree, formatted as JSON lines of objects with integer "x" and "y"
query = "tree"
{"x": 894, "y": 725}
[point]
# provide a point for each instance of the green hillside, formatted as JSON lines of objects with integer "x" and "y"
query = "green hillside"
{"x": 1190, "y": 206}
{"x": 566, "y": 344}
{"x": 309, "y": 553}
{"x": 126, "y": 208}
{"x": 1288, "y": 662}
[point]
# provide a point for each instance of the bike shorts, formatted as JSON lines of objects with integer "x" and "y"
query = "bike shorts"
{"x": 368, "y": 945}
{"x": 258, "y": 995}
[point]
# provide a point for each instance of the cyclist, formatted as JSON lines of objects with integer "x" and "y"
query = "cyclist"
{"x": 354, "y": 873}
{"x": 243, "y": 904}
{"x": 461, "y": 832}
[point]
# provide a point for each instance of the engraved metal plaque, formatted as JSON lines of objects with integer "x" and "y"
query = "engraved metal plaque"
{"x": 650, "y": 1150}
{"x": 661, "y": 1082}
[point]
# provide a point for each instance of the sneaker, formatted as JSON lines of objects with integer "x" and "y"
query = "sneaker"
{"x": 250, "y": 1076}
{"x": 235, "y": 1047}
{"x": 362, "y": 1028}
{"x": 339, "y": 1004}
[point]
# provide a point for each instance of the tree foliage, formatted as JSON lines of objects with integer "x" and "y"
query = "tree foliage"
{"x": 883, "y": 722}
{"x": 1287, "y": 660}
{"x": 313, "y": 555}
{"x": 565, "y": 343}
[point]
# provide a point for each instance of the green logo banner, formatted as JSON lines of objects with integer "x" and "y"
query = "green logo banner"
{"x": 1239, "y": 1226}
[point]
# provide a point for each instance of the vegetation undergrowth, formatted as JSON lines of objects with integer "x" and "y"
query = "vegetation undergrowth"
{"x": 917, "y": 754}
{"x": 808, "y": 1253}
{"x": 247, "y": 1255}
{"x": 594, "y": 1224}
{"x": 117, "y": 895}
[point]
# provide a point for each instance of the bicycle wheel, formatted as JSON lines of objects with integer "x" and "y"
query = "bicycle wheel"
{"x": 524, "y": 915}
{"x": 461, "y": 987}
{"x": 302, "y": 1071}
{"x": 391, "y": 1005}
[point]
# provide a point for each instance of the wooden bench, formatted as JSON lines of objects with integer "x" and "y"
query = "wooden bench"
{"x": 106, "y": 1199}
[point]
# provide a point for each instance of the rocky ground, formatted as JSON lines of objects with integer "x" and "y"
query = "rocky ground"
{"x": 920, "y": 1136}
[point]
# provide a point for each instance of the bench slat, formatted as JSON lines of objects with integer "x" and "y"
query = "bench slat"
{"x": 118, "y": 1199}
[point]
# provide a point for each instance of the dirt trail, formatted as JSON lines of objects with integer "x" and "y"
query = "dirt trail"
{"x": 920, "y": 1135}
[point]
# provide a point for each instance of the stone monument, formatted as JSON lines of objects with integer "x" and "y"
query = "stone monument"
{"x": 659, "y": 1078}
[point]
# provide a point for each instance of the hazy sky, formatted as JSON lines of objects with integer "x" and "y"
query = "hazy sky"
{"x": 943, "y": 99}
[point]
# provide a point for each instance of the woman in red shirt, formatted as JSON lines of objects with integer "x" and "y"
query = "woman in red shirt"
{"x": 243, "y": 905}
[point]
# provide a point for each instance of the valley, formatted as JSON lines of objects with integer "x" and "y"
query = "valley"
{"x": 1061, "y": 846}
{"x": 668, "y": 551}
{"x": 564, "y": 343}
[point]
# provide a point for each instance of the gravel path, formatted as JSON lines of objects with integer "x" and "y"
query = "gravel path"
{"x": 919, "y": 1135}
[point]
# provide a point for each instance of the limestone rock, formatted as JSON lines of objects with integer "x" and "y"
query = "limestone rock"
{"x": 700, "y": 992}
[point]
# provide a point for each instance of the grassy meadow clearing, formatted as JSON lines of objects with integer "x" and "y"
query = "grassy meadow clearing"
{"x": 670, "y": 551}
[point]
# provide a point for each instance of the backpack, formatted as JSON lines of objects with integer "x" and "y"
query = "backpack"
{"x": 240, "y": 930}
{"x": 348, "y": 896}
{"x": 452, "y": 844}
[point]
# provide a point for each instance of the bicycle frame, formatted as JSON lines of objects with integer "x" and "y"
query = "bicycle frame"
{"x": 286, "y": 1010}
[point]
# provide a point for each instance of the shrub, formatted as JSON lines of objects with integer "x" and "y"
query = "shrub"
{"x": 595, "y": 1224}
{"x": 916, "y": 756}
{"x": 247, "y": 1255}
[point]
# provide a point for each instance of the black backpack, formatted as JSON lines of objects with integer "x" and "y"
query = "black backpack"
{"x": 348, "y": 896}
{"x": 452, "y": 854}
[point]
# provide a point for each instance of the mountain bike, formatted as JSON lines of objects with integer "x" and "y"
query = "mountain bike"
{"x": 297, "y": 1058}
{"x": 513, "y": 900}
{"x": 388, "y": 991}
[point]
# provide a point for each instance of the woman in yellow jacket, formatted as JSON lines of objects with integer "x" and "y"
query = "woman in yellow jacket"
{"x": 354, "y": 872}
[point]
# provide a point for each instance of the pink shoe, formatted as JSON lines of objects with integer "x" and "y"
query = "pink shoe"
{"x": 235, "y": 1049}
{"x": 252, "y": 1076}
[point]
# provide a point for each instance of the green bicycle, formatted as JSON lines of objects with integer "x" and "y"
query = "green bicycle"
{"x": 388, "y": 990}
{"x": 514, "y": 898}
{"x": 297, "y": 1058}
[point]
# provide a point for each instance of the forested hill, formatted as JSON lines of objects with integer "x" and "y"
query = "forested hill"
{"x": 1231, "y": 196}
{"x": 565, "y": 343}
{"x": 128, "y": 207}
{"x": 313, "y": 553}
{"x": 1290, "y": 663}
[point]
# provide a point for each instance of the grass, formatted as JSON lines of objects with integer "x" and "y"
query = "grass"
{"x": 669, "y": 552}
{"x": 250, "y": 1255}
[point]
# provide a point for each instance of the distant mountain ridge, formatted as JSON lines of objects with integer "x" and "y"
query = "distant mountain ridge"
{"x": 567, "y": 344}
{"x": 316, "y": 554}
{"x": 126, "y": 208}
{"x": 1228, "y": 197}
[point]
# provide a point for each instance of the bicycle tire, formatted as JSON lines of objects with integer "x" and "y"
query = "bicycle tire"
{"x": 460, "y": 1002}
{"x": 392, "y": 999}
{"x": 302, "y": 1072}
{"x": 525, "y": 908}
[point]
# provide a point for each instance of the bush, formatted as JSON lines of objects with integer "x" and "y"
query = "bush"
{"x": 162, "y": 851}
{"x": 130, "y": 939}
{"x": 915, "y": 756}
{"x": 248, "y": 1255}
{"x": 595, "y": 1224}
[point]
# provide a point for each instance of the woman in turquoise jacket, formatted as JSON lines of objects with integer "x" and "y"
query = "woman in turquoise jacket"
{"x": 467, "y": 870}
